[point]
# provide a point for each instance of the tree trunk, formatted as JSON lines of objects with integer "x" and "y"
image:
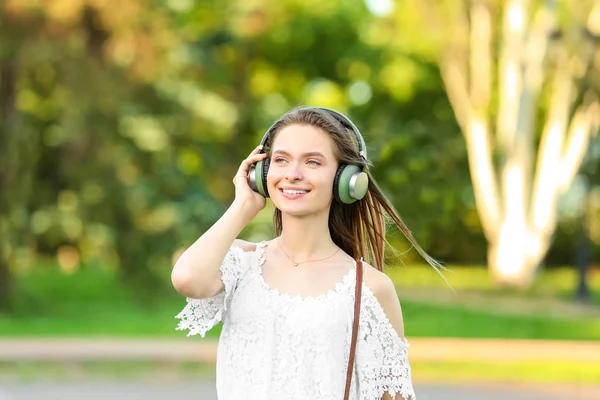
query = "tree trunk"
{"x": 7, "y": 128}
{"x": 515, "y": 197}
{"x": 6, "y": 279}
{"x": 511, "y": 261}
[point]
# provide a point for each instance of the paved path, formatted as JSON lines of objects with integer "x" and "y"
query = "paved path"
{"x": 167, "y": 390}
{"x": 196, "y": 349}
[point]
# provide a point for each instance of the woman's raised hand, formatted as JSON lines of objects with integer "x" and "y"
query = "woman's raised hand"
{"x": 250, "y": 201}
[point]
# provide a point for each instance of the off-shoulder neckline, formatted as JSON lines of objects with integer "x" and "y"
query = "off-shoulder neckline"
{"x": 339, "y": 287}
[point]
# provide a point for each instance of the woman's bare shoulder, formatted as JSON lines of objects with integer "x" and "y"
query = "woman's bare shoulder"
{"x": 384, "y": 290}
{"x": 244, "y": 245}
{"x": 378, "y": 281}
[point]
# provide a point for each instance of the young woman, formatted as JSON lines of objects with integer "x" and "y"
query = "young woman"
{"x": 287, "y": 304}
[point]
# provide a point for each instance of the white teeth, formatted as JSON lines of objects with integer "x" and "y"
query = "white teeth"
{"x": 286, "y": 191}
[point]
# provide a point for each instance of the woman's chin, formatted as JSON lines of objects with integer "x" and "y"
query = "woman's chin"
{"x": 301, "y": 207}
{"x": 295, "y": 211}
{"x": 301, "y": 211}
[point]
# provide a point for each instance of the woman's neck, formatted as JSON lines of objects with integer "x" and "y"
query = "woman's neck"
{"x": 306, "y": 238}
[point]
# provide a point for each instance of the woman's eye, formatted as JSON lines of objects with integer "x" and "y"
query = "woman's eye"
{"x": 279, "y": 160}
{"x": 314, "y": 162}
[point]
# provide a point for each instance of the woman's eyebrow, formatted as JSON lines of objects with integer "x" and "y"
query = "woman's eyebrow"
{"x": 309, "y": 154}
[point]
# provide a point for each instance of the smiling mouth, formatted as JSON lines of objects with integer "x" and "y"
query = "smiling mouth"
{"x": 293, "y": 192}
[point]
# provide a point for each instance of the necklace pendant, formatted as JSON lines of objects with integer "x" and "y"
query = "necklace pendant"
{"x": 295, "y": 264}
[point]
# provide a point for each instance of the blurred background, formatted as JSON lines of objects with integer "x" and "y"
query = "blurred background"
{"x": 122, "y": 124}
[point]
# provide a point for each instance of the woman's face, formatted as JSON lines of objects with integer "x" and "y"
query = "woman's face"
{"x": 302, "y": 169}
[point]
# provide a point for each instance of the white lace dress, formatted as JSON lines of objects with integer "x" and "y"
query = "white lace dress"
{"x": 278, "y": 346}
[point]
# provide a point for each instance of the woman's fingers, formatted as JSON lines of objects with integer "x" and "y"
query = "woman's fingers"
{"x": 253, "y": 158}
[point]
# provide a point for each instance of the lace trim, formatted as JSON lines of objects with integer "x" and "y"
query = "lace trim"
{"x": 201, "y": 315}
{"x": 384, "y": 355}
{"x": 380, "y": 315}
{"x": 297, "y": 298}
{"x": 391, "y": 384}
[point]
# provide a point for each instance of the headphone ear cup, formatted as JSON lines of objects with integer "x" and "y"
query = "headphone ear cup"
{"x": 257, "y": 177}
{"x": 359, "y": 185}
{"x": 351, "y": 183}
{"x": 336, "y": 183}
{"x": 264, "y": 171}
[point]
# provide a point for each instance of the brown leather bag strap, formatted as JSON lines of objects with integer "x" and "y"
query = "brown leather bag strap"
{"x": 357, "y": 298}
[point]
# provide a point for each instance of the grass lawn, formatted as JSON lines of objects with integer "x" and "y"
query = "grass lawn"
{"x": 92, "y": 303}
{"x": 456, "y": 371}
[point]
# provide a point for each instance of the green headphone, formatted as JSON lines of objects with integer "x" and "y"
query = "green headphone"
{"x": 351, "y": 182}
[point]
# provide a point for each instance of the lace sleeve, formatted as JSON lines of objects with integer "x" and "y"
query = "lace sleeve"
{"x": 381, "y": 355}
{"x": 200, "y": 315}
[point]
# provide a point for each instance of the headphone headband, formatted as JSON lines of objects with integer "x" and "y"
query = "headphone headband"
{"x": 362, "y": 147}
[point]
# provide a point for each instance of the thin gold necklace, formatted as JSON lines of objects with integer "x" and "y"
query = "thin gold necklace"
{"x": 302, "y": 262}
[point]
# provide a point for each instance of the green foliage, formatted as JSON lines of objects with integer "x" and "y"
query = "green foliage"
{"x": 121, "y": 131}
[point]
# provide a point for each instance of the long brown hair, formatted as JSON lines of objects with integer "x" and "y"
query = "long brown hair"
{"x": 359, "y": 228}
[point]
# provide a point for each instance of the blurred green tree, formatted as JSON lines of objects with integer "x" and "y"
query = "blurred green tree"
{"x": 121, "y": 131}
{"x": 132, "y": 123}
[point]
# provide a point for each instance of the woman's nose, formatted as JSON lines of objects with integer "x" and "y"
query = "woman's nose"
{"x": 293, "y": 172}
